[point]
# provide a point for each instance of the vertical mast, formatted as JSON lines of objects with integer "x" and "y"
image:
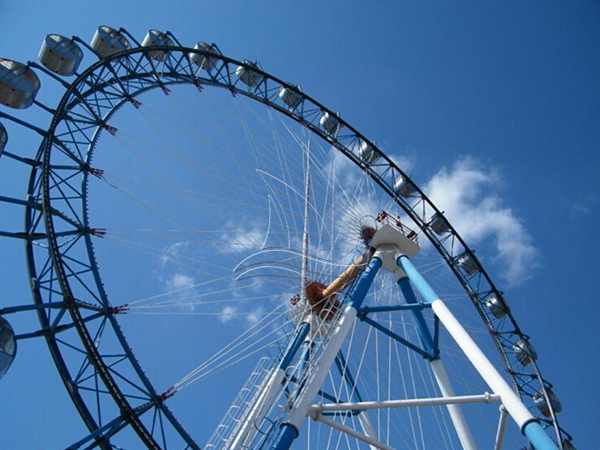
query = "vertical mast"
{"x": 304, "y": 279}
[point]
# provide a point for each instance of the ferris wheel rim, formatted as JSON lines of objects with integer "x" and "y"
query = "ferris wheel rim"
{"x": 332, "y": 139}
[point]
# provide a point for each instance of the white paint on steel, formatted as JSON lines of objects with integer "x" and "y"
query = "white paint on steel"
{"x": 501, "y": 428}
{"x": 367, "y": 427}
{"x": 390, "y": 250}
{"x": 247, "y": 429}
{"x": 107, "y": 41}
{"x": 406, "y": 403}
{"x": 458, "y": 419}
{"x": 18, "y": 84}
{"x": 488, "y": 372}
{"x": 321, "y": 367}
{"x": 60, "y": 54}
{"x": 392, "y": 240}
{"x": 389, "y": 253}
{"x": 305, "y": 233}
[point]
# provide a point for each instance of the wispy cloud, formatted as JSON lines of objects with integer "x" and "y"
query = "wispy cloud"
{"x": 172, "y": 253}
{"x": 406, "y": 160}
{"x": 234, "y": 313}
{"x": 255, "y": 315}
{"x": 179, "y": 281}
{"x": 176, "y": 277}
{"x": 468, "y": 194}
{"x": 582, "y": 207}
{"x": 227, "y": 314}
{"x": 238, "y": 238}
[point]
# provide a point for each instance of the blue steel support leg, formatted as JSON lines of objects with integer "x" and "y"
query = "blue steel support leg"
{"x": 247, "y": 427}
{"x": 538, "y": 437}
{"x": 306, "y": 351}
{"x": 294, "y": 346}
{"x": 344, "y": 370}
{"x": 430, "y": 343}
{"x": 364, "y": 283}
{"x": 424, "y": 333}
{"x": 290, "y": 429}
{"x": 417, "y": 279}
{"x": 530, "y": 428}
{"x": 307, "y": 347}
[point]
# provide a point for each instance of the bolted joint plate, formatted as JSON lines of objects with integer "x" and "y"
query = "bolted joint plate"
{"x": 390, "y": 243}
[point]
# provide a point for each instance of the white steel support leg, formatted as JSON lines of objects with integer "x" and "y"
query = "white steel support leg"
{"x": 363, "y": 416}
{"x": 290, "y": 428}
{"x": 248, "y": 430}
{"x": 482, "y": 364}
{"x": 517, "y": 410}
{"x": 501, "y": 428}
{"x": 458, "y": 419}
{"x": 367, "y": 427}
{"x": 321, "y": 368}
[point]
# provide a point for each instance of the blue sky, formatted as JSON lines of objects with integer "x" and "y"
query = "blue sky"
{"x": 499, "y": 100}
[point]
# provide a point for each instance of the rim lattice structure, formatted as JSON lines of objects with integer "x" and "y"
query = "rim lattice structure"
{"x": 56, "y": 215}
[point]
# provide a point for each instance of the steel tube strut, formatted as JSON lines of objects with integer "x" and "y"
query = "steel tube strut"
{"x": 290, "y": 428}
{"x": 501, "y": 428}
{"x": 424, "y": 334}
{"x": 405, "y": 403}
{"x": 363, "y": 416}
{"x": 529, "y": 425}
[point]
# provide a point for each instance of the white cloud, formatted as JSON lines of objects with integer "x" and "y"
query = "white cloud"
{"x": 582, "y": 207}
{"x": 181, "y": 287}
{"x": 172, "y": 253}
{"x": 406, "y": 161}
{"x": 255, "y": 315}
{"x": 468, "y": 195}
{"x": 240, "y": 239}
{"x": 227, "y": 314}
{"x": 348, "y": 174}
{"x": 341, "y": 168}
{"x": 180, "y": 281}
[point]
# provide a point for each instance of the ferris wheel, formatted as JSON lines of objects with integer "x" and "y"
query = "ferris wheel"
{"x": 234, "y": 266}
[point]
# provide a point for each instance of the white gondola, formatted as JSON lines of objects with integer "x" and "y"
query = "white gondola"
{"x": 155, "y": 38}
{"x": 248, "y": 76}
{"x": 3, "y": 138}
{"x": 367, "y": 153}
{"x": 60, "y": 54}
{"x": 107, "y": 41}
{"x": 497, "y": 306}
{"x": 440, "y": 225}
{"x": 289, "y": 96}
{"x": 8, "y": 346}
{"x": 524, "y": 352}
{"x": 540, "y": 401}
{"x": 330, "y": 123}
{"x": 404, "y": 187}
{"x": 18, "y": 84}
{"x": 204, "y": 62}
{"x": 468, "y": 264}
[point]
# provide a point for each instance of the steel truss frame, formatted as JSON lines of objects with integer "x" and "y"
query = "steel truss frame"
{"x": 60, "y": 255}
